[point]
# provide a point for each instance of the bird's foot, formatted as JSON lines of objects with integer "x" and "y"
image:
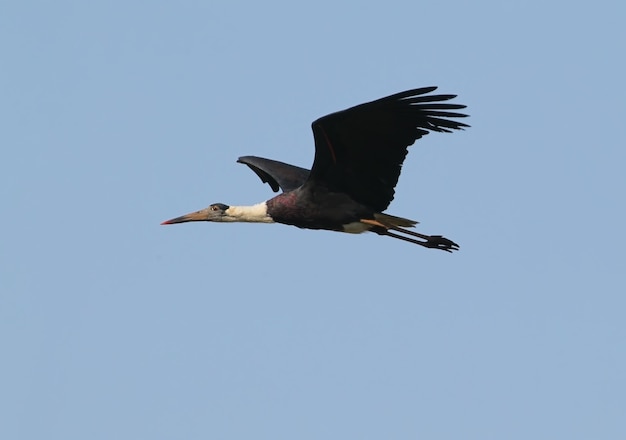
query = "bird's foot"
{"x": 440, "y": 242}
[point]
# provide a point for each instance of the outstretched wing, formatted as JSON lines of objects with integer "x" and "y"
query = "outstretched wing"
{"x": 359, "y": 151}
{"x": 276, "y": 174}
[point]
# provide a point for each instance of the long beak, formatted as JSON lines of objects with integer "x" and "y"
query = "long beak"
{"x": 197, "y": 216}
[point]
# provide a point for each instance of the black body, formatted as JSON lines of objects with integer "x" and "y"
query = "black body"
{"x": 358, "y": 157}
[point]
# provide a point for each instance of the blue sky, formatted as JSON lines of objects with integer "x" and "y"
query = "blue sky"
{"x": 119, "y": 115}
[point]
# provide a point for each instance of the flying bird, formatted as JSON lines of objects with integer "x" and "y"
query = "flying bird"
{"x": 358, "y": 157}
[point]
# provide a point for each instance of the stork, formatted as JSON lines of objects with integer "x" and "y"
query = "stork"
{"x": 358, "y": 156}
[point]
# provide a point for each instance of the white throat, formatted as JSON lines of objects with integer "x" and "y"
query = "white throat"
{"x": 255, "y": 213}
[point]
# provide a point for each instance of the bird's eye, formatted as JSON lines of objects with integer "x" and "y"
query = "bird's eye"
{"x": 215, "y": 208}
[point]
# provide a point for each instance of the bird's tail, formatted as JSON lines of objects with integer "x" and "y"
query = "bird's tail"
{"x": 391, "y": 220}
{"x": 383, "y": 224}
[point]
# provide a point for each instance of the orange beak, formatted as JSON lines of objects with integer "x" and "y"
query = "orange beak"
{"x": 198, "y": 216}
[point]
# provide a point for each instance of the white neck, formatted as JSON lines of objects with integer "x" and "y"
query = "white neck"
{"x": 256, "y": 213}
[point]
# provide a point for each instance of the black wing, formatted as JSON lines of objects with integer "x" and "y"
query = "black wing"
{"x": 360, "y": 150}
{"x": 276, "y": 174}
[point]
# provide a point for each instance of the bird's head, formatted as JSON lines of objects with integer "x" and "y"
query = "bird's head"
{"x": 217, "y": 212}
